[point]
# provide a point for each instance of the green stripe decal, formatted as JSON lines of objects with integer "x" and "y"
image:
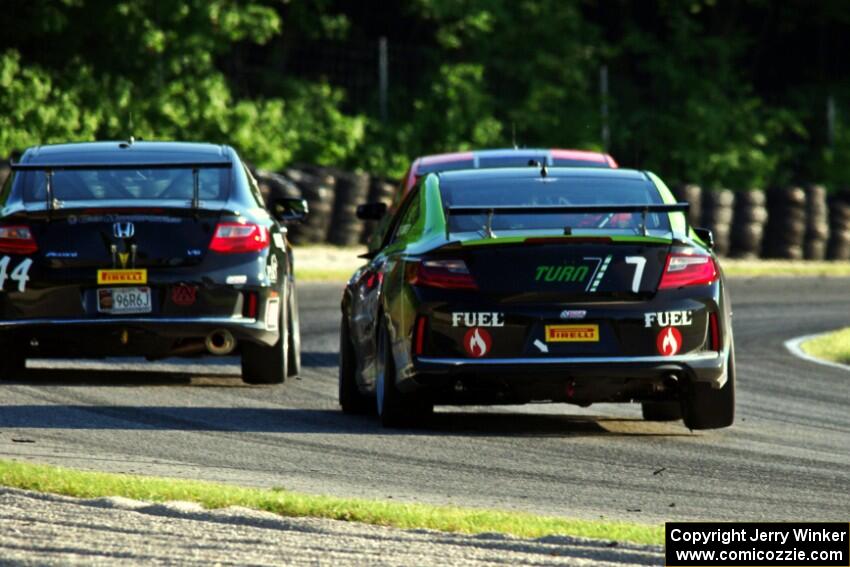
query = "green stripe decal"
{"x": 565, "y": 239}
{"x": 598, "y": 279}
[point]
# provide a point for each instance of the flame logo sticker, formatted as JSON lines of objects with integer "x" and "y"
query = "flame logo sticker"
{"x": 669, "y": 341}
{"x": 477, "y": 342}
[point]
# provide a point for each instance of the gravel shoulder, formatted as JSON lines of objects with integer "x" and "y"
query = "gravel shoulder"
{"x": 43, "y": 529}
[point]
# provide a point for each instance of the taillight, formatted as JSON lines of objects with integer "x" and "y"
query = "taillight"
{"x": 374, "y": 279}
{"x": 683, "y": 270}
{"x": 419, "y": 335}
{"x": 17, "y": 239}
{"x": 446, "y": 274}
{"x": 235, "y": 238}
{"x": 714, "y": 333}
{"x": 251, "y": 305}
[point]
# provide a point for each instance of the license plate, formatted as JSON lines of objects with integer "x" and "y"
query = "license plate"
{"x": 572, "y": 333}
{"x": 118, "y": 300}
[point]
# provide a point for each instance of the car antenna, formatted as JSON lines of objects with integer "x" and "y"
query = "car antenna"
{"x": 543, "y": 171}
{"x": 513, "y": 135}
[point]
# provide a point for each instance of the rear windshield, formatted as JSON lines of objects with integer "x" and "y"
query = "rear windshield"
{"x": 126, "y": 184}
{"x": 538, "y": 192}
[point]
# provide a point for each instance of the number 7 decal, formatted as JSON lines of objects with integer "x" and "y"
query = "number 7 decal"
{"x": 640, "y": 264}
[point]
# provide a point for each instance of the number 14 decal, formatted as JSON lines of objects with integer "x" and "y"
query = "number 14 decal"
{"x": 20, "y": 274}
{"x": 640, "y": 264}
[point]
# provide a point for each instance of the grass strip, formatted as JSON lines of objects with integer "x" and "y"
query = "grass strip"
{"x": 833, "y": 346}
{"x": 323, "y": 274}
{"x": 784, "y": 268}
{"x": 82, "y": 484}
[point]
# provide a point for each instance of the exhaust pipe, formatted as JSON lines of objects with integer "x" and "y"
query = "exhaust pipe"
{"x": 220, "y": 342}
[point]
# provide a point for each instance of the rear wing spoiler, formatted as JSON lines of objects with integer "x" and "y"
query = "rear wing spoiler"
{"x": 644, "y": 210}
{"x": 50, "y": 168}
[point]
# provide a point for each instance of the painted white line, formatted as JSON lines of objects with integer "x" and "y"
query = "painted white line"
{"x": 793, "y": 346}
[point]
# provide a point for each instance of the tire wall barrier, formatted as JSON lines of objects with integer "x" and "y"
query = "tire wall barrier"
{"x": 785, "y": 233}
{"x": 318, "y": 191}
{"x": 748, "y": 221}
{"x": 352, "y": 189}
{"x": 380, "y": 190}
{"x": 693, "y": 195}
{"x": 839, "y": 225}
{"x": 717, "y": 210}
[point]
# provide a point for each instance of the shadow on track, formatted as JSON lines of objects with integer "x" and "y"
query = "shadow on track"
{"x": 123, "y": 378}
{"x": 287, "y": 420}
{"x": 316, "y": 359}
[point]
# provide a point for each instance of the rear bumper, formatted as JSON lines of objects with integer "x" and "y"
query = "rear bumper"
{"x": 652, "y": 372}
{"x": 126, "y": 320}
{"x": 104, "y": 335}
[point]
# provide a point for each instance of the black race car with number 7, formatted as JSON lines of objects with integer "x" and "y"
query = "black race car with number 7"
{"x": 145, "y": 248}
{"x": 510, "y": 286}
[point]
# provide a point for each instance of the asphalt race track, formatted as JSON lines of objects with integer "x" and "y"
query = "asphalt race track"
{"x": 787, "y": 457}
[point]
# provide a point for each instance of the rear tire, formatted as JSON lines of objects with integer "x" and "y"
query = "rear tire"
{"x": 703, "y": 407}
{"x": 294, "y": 361}
{"x": 263, "y": 364}
{"x": 351, "y": 399}
{"x": 661, "y": 411}
{"x": 394, "y": 408}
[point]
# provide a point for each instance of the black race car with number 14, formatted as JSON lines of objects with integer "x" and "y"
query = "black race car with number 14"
{"x": 510, "y": 286}
{"x": 145, "y": 248}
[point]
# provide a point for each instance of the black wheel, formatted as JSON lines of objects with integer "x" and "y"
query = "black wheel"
{"x": 394, "y": 408}
{"x": 706, "y": 408}
{"x": 661, "y": 411}
{"x": 263, "y": 364}
{"x": 351, "y": 399}
{"x": 13, "y": 361}
{"x": 294, "y": 361}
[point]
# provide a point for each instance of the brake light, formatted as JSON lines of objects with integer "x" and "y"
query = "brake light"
{"x": 235, "y": 238}
{"x": 714, "y": 332}
{"x": 419, "y": 335}
{"x": 17, "y": 239}
{"x": 682, "y": 270}
{"x": 251, "y": 305}
{"x": 374, "y": 279}
{"x": 445, "y": 274}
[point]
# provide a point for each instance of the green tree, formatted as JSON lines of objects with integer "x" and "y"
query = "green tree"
{"x": 149, "y": 68}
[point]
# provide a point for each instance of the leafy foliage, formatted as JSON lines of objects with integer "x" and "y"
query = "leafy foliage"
{"x": 152, "y": 73}
{"x": 718, "y": 93}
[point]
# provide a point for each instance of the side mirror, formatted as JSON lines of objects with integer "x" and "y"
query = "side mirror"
{"x": 705, "y": 235}
{"x": 289, "y": 209}
{"x": 371, "y": 211}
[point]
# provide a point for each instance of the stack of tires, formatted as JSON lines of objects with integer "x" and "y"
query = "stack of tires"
{"x": 380, "y": 191}
{"x": 717, "y": 209}
{"x": 786, "y": 223}
{"x": 318, "y": 190}
{"x": 817, "y": 223}
{"x": 275, "y": 186}
{"x": 839, "y": 224}
{"x": 693, "y": 195}
{"x": 352, "y": 189}
{"x": 748, "y": 223}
